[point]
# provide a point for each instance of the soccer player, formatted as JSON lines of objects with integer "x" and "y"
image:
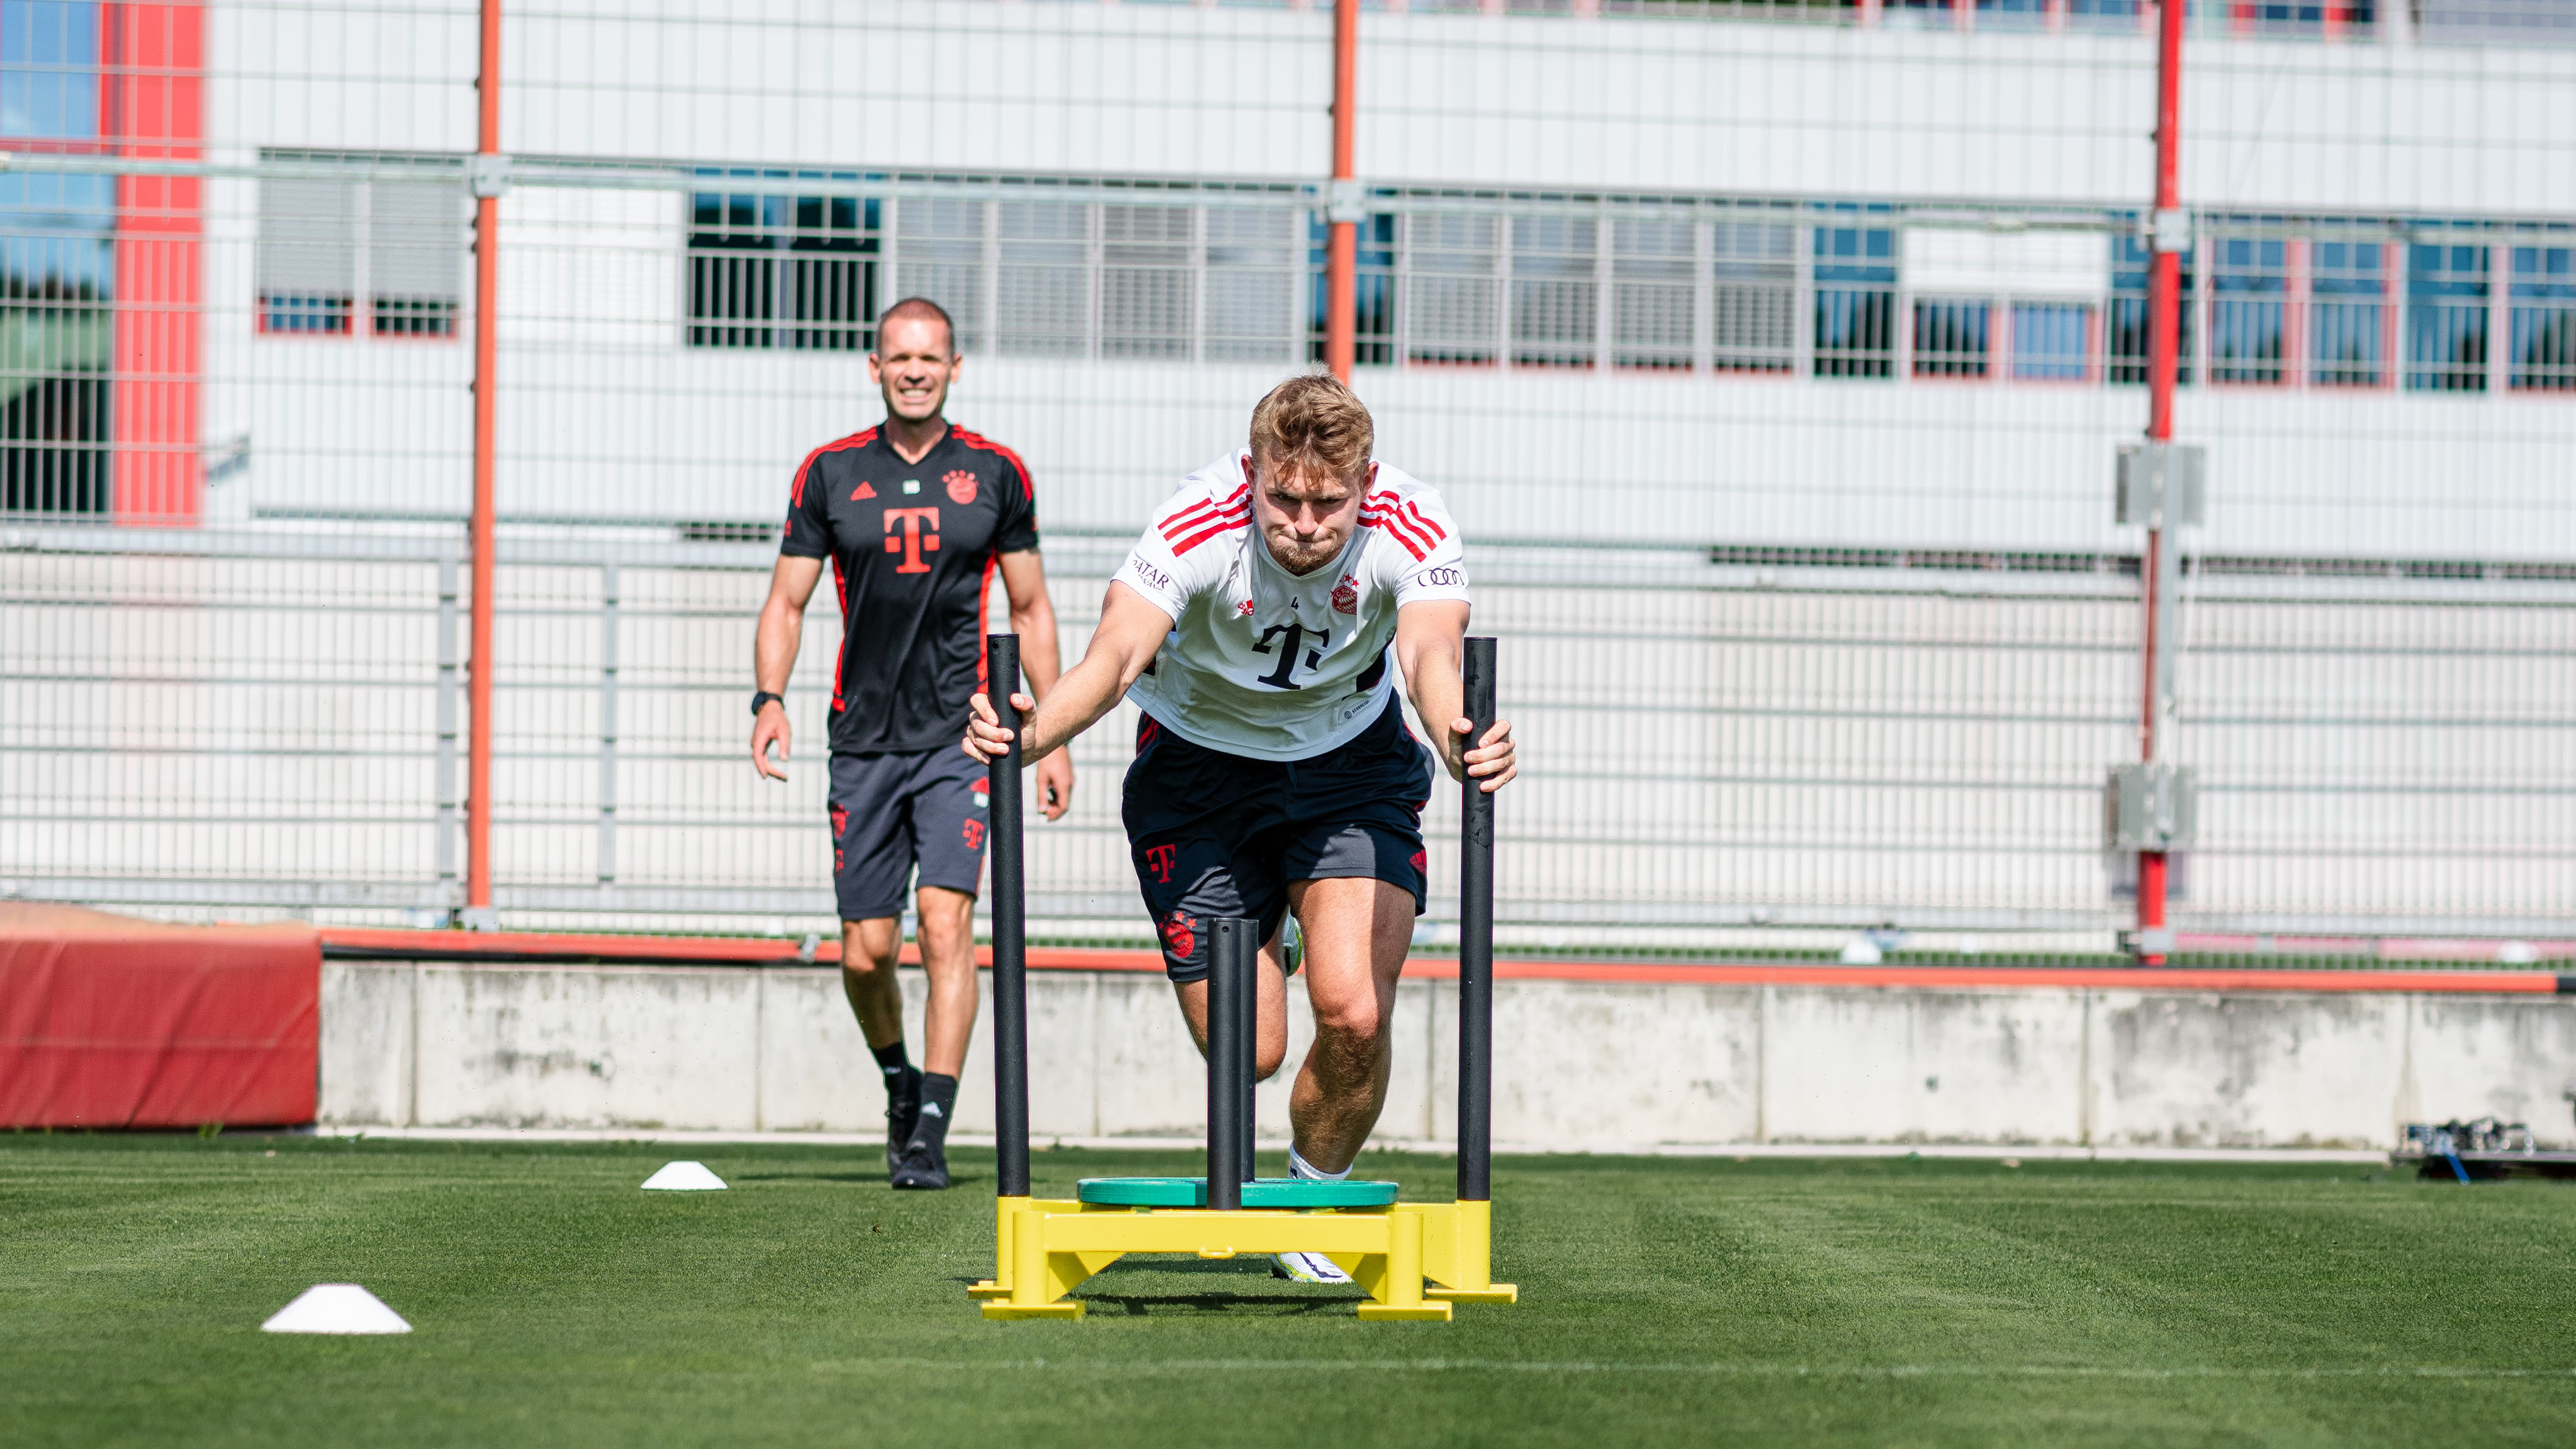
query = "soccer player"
{"x": 1274, "y": 771}
{"x": 915, "y": 515}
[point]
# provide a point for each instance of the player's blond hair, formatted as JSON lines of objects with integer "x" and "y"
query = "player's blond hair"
{"x": 1313, "y": 425}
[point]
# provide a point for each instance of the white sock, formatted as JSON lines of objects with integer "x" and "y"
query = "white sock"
{"x": 1301, "y": 1168}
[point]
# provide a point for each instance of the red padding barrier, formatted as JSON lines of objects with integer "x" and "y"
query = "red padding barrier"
{"x": 111, "y": 1022}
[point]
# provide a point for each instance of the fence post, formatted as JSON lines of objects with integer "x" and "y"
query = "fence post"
{"x": 2170, "y": 227}
{"x": 607, "y": 724}
{"x": 445, "y": 900}
{"x": 487, "y": 290}
{"x": 1342, "y": 212}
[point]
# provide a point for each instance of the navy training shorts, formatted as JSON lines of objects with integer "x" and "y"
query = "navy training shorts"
{"x": 893, "y": 811}
{"x": 1215, "y": 834}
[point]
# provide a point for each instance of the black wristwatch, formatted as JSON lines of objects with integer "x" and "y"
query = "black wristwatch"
{"x": 760, "y": 697}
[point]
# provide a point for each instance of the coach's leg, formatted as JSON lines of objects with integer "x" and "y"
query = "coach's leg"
{"x": 947, "y": 937}
{"x": 1270, "y": 1034}
{"x": 867, "y": 978}
{"x": 1356, "y": 930}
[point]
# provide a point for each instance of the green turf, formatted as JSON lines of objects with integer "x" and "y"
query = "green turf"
{"x": 1879, "y": 1302}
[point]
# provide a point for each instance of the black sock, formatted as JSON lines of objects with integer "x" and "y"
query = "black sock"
{"x": 938, "y": 1104}
{"x": 902, "y": 1083}
{"x": 890, "y": 1058}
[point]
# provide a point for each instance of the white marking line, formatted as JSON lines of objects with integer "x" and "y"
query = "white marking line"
{"x": 1713, "y": 1370}
{"x": 1969, "y": 1151}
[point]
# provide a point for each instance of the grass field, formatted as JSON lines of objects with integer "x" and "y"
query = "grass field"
{"x": 1863, "y": 1302}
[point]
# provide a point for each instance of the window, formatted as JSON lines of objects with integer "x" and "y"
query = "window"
{"x": 2052, "y": 341}
{"x": 2130, "y": 337}
{"x": 1372, "y": 292}
{"x": 1148, "y": 300}
{"x": 56, "y": 327}
{"x": 1652, "y": 299}
{"x": 2446, "y": 318}
{"x": 2249, "y": 280}
{"x": 49, "y": 60}
{"x": 781, "y": 271}
{"x": 2544, "y": 318}
{"x": 1449, "y": 284}
{"x": 1950, "y": 337}
{"x": 1855, "y": 270}
{"x": 939, "y": 247}
{"x": 2347, "y": 313}
{"x": 1251, "y": 283}
{"x": 2012, "y": 14}
{"x": 1754, "y": 302}
{"x": 1042, "y": 299}
{"x": 57, "y": 270}
{"x": 1554, "y": 293}
{"x": 2116, "y": 17}
{"x": 325, "y": 245}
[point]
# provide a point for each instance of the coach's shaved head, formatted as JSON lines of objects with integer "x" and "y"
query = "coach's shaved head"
{"x": 919, "y": 309}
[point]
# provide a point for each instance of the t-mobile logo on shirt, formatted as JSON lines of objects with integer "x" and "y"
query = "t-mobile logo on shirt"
{"x": 914, "y": 542}
{"x": 1297, "y": 635}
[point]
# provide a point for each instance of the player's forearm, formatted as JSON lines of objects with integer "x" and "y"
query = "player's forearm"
{"x": 1431, "y": 677}
{"x": 1087, "y": 691}
{"x": 774, "y": 645}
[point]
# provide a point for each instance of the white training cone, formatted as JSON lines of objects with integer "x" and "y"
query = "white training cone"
{"x": 336, "y": 1308}
{"x": 684, "y": 1177}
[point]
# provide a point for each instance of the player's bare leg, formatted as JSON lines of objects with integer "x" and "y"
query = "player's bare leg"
{"x": 947, "y": 935}
{"x": 867, "y": 978}
{"x": 1270, "y": 1034}
{"x": 1356, "y": 933}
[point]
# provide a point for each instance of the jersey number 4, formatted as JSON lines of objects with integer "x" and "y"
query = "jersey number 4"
{"x": 1297, "y": 634}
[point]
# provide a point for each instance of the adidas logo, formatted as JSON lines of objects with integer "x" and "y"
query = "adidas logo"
{"x": 931, "y": 1109}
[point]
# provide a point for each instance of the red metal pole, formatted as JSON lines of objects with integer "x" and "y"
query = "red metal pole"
{"x": 487, "y": 288}
{"x": 2164, "y": 351}
{"x": 1341, "y": 265}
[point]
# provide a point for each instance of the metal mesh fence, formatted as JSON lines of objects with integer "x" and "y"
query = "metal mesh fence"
{"x": 1715, "y": 747}
{"x": 1849, "y": 642}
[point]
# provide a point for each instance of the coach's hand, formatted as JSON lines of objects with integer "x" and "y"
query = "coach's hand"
{"x": 770, "y": 727}
{"x": 1054, "y": 780}
{"x": 1493, "y": 762}
{"x": 987, "y": 741}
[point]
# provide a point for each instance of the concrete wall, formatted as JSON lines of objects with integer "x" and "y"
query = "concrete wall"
{"x": 1581, "y": 1065}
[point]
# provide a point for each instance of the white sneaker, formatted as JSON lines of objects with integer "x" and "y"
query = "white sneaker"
{"x": 1307, "y": 1268}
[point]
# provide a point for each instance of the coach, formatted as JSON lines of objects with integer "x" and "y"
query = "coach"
{"x": 916, "y": 516}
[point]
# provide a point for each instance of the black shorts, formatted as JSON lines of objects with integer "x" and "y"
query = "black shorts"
{"x": 1215, "y": 834}
{"x": 893, "y": 811}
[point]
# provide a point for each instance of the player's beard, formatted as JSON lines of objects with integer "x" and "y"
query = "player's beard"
{"x": 1302, "y": 558}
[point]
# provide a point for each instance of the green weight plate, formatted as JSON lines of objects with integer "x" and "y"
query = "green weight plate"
{"x": 1268, "y": 1192}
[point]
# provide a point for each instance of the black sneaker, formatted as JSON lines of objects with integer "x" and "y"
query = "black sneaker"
{"x": 903, "y": 1113}
{"x": 924, "y": 1168}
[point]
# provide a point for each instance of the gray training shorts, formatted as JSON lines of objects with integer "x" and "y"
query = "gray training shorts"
{"x": 891, "y": 812}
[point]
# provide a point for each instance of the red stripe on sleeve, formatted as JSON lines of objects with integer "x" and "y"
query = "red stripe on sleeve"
{"x": 1194, "y": 540}
{"x": 796, "y": 489}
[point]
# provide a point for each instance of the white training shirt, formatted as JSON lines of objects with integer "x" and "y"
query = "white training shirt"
{"x": 1268, "y": 664}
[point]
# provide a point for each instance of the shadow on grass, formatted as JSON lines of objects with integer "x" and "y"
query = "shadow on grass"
{"x": 1146, "y": 1305}
{"x": 863, "y": 1176}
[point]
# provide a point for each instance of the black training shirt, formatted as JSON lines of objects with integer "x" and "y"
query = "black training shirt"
{"x": 912, "y": 547}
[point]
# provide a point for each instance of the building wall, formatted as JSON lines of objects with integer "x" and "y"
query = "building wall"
{"x": 605, "y": 413}
{"x": 1469, "y": 100}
